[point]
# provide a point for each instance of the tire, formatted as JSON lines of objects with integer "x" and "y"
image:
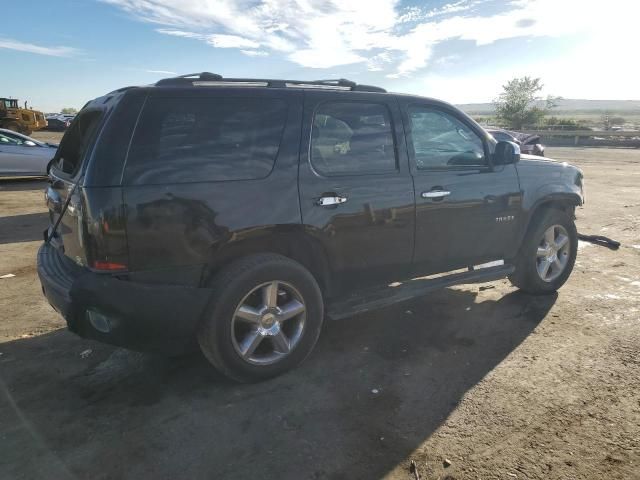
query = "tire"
{"x": 227, "y": 333}
{"x": 538, "y": 253}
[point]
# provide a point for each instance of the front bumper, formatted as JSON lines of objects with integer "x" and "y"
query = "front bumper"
{"x": 134, "y": 315}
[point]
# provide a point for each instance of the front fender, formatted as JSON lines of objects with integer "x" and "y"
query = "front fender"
{"x": 543, "y": 183}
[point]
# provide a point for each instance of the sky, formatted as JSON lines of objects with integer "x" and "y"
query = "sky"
{"x": 63, "y": 53}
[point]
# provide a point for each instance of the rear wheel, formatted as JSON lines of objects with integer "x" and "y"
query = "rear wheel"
{"x": 548, "y": 253}
{"x": 264, "y": 319}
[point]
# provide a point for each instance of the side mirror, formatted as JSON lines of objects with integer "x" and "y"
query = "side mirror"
{"x": 29, "y": 143}
{"x": 506, "y": 153}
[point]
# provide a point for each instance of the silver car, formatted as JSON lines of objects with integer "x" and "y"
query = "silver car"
{"x": 22, "y": 156}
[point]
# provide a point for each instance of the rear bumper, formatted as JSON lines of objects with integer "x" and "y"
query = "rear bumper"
{"x": 134, "y": 315}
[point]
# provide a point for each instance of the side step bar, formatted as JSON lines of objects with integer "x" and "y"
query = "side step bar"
{"x": 380, "y": 297}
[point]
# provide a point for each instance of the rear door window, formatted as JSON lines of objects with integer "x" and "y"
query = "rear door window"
{"x": 205, "y": 139}
{"x": 352, "y": 138}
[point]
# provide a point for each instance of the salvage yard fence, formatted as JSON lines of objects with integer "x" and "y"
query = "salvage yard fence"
{"x": 588, "y": 137}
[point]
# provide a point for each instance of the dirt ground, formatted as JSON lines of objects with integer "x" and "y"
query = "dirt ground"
{"x": 484, "y": 379}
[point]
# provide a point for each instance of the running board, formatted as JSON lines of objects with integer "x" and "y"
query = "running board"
{"x": 380, "y": 297}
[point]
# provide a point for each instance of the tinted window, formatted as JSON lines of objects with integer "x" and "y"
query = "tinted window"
{"x": 440, "y": 140}
{"x": 76, "y": 141}
{"x": 205, "y": 139}
{"x": 6, "y": 139}
{"x": 352, "y": 138}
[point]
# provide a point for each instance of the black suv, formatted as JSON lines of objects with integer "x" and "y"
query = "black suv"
{"x": 241, "y": 212}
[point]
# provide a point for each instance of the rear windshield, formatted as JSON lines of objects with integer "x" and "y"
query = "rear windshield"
{"x": 205, "y": 139}
{"x": 76, "y": 141}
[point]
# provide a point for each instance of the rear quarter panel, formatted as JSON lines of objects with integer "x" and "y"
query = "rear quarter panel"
{"x": 178, "y": 226}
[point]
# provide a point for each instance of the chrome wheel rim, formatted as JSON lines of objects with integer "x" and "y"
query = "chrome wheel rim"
{"x": 553, "y": 253}
{"x": 268, "y": 323}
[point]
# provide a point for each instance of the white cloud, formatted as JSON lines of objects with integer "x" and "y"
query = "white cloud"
{"x": 255, "y": 53}
{"x": 379, "y": 62}
{"x": 162, "y": 72}
{"x": 378, "y": 33}
{"x": 415, "y": 14}
{"x": 217, "y": 40}
{"x": 231, "y": 41}
{"x": 180, "y": 33}
{"x": 58, "y": 51}
{"x": 598, "y": 67}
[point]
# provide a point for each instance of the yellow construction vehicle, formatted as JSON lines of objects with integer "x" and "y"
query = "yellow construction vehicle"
{"x": 22, "y": 120}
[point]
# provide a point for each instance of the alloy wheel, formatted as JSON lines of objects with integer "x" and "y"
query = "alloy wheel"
{"x": 553, "y": 253}
{"x": 268, "y": 323}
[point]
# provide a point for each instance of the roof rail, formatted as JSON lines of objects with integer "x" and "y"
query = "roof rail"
{"x": 202, "y": 76}
{"x": 207, "y": 79}
{"x": 120, "y": 90}
{"x": 188, "y": 79}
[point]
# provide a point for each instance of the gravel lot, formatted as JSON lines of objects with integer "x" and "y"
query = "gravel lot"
{"x": 492, "y": 382}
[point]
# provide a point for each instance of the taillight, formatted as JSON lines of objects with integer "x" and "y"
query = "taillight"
{"x": 108, "y": 266}
{"x": 105, "y": 240}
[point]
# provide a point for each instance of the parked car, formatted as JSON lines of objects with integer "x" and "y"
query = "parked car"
{"x": 58, "y": 123}
{"x": 529, "y": 144}
{"x": 242, "y": 212}
{"x": 22, "y": 156}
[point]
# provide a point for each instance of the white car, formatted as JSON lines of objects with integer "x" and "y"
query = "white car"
{"x": 22, "y": 156}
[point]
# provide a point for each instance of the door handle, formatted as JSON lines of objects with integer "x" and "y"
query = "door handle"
{"x": 435, "y": 194}
{"x": 329, "y": 201}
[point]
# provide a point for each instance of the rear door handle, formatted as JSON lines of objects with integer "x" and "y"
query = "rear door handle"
{"x": 328, "y": 201}
{"x": 435, "y": 194}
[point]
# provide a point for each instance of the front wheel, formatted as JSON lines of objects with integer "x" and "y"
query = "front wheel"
{"x": 548, "y": 253}
{"x": 264, "y": 319}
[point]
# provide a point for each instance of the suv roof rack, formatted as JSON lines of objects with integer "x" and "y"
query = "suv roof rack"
{"x": 208, "y": 79}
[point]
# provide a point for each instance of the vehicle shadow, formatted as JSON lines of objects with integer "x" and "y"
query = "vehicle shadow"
{"x": 22, "y": 184}
{"x": 375, "y": 388}
{"x": 23, "y": 228}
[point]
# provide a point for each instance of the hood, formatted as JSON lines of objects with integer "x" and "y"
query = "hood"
{"x": 537, "y": 159}
{"x": 534, "y": 161}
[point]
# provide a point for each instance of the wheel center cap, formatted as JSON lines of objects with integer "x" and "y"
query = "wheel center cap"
{"x": 268, "y": 320}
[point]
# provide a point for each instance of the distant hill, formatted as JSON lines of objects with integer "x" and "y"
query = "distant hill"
{"x": 568, "y": 105}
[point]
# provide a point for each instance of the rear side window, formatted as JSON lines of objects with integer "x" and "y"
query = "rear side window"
{"x": 76, "y": 141}
{"x": 205, "y": 139}
{"x": 349, "y": 138}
